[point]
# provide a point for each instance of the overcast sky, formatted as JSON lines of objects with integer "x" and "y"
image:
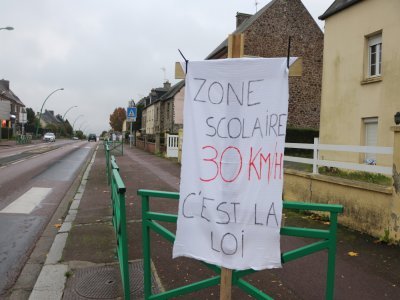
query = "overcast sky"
{"x": 105, "y": 52}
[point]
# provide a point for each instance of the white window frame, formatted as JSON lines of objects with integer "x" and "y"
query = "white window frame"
{"x": 367, "y": 122}
{"x": 375, "y": 41}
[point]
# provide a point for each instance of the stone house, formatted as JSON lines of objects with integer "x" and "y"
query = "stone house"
{"x": 48, "y": 119}
{"x": 266, "y": 34}
{"x": 10, "y": 107}
{"x": 172, "y": 109}
{"x": 360, "y": 86}
{"x": 151, "y": 114}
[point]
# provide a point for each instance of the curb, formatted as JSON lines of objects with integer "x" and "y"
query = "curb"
{"x": 51, "y": 281}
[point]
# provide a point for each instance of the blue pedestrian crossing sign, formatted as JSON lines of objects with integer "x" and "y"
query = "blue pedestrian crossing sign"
{"x": 131, "y": 113}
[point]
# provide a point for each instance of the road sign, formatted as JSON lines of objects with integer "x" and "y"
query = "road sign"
{"x": 23, "y": 117}
{"x": 131, "y": 113}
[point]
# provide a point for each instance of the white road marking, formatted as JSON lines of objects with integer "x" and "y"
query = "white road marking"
{"x": 18, "y": 161}
{"x": 27, "y": 202}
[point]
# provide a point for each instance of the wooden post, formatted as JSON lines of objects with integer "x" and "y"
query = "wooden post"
{"x": 236, "y": 50}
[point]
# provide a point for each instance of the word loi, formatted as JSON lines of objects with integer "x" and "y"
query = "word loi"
{"x": 209, "y": 210}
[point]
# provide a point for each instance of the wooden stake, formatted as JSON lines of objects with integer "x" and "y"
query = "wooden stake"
{"x": 235, "y": 50}
{"x": 225, "y": 292}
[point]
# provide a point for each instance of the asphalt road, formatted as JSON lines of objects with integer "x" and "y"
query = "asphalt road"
{"x": 33, "y": 181}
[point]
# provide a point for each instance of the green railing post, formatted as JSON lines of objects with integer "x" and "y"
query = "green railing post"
{"x": 146, "y": 247}
{"x": 330, "y": 276}
{"x": 118, "y": 190}
{"x": 108, "y": 164}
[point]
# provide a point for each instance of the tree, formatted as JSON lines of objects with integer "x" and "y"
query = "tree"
{"x": 31, "y": 120}
{"x": 117, "y": 119}
{"x": 103, "y": 134}
{"x": 137, "y": 125}
{"x": 30, "y": 115}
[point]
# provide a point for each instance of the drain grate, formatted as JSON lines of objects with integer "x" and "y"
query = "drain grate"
{"x": 104, "y": 282}
{"x": 99, "y": 283}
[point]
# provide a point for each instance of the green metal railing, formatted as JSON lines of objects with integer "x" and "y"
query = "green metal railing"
{"x": 108, "y": 165}
{"x": 118, "y": 190}
{"x": 115, "y": 147}
{"x": 327, "y": 240}
{"x": 23, "y": 139}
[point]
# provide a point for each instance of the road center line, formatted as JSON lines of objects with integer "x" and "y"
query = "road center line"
{"x": 18, "y": 161}
{"x": 26, "y": 203}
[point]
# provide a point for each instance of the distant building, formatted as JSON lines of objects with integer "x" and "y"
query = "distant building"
{"x": 172, "y": 109}
{"x": 48, "y": 119}
{"x": 10, "y": 106}
{"x": 151, "y": 114}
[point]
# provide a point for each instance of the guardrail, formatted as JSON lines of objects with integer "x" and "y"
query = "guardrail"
{"x": 327, "y": 240}
{"x": 118, "y": 190}
{"x": 23, "y": 139}
{"x": 315, "y": 161}
{"x": 115, "y": 147}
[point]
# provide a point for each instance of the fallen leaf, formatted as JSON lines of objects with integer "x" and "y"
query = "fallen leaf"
{"x": 57, "y": 225}
{"x": 351, "y": 253}
{"x": 327, "y": 223}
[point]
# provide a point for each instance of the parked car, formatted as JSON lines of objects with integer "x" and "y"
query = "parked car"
{"x": 92, "y": 137}
{"x": 49, "y": 137}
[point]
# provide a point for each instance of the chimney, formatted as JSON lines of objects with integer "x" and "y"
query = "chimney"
{"x": 167, "y": 85}
{"x": 5, "y": 84}
{"x": 241, "y": 17}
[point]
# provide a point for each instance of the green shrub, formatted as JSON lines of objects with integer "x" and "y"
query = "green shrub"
{"x": 356, "y": 175}
{"x": 302, "y": 136}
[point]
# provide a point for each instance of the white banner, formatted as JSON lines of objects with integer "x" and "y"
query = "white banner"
{"x": 230, "y": 205}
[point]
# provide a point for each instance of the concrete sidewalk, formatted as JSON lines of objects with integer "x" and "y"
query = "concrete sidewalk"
{"x": 87, "y": 266}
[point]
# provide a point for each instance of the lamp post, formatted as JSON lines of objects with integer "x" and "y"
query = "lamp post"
{"x": 73, "y": 125}
{"x": 40, "y": 114}
{"x": 63, "y": 118}
{"x": 7, "y": 28}
{"x": 81, "y": 125}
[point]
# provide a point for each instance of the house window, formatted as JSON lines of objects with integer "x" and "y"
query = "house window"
{"x": 371, "y": 138}
{"x": 375, "y": 55}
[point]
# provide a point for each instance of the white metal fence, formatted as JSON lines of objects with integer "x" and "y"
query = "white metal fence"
{"x": 172, "y": 145}
{"x": 316, "y": 162}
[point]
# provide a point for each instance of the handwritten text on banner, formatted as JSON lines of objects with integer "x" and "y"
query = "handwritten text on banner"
{"x": 230, "y": 206}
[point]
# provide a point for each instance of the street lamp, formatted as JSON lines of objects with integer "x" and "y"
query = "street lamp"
{"x": 81, "y": 125}
{"x": 7, "y": 28}
{"x": 40, "y": 114}
{"x": 73, "y": 125}
{"x": 63, "y": 118}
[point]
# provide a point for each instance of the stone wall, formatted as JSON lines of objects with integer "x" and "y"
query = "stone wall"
{"x": 268, "y": 36}
{"x": 368, "y": 208}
